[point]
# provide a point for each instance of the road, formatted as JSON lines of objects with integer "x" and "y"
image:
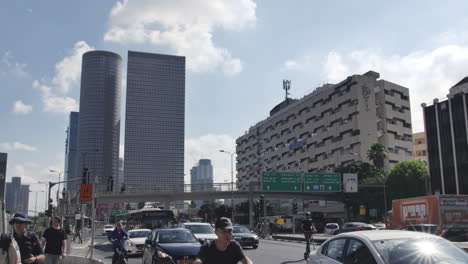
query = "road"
{"x": 269, "y": 252}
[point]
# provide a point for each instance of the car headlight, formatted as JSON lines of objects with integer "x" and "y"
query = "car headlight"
{"x": 255, "y": 237}
{"x": 163, "y": 255}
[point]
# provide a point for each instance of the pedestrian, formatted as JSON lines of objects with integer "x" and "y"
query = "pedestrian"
{"x": 28, "y": 243}
{"x": 55, "y": 240}
{"x": 9, "y": 250}
{"x": 223, "y": 249}
{"x": 308, "y": 228}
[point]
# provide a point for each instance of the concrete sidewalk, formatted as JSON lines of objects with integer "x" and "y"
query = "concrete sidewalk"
{"x": 82, "y": 250}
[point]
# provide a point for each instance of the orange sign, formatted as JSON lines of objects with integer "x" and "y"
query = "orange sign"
{"x": 86, "y": 192}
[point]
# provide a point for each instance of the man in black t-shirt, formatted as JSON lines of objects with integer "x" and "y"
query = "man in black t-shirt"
{"x": 308, "y": 228}
{"x": 223, "y": 249}
{"x": 55, "y": 242}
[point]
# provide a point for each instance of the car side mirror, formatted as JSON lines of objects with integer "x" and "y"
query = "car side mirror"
{"x": 201, "y": 240}
{"x": 148, "y": 241}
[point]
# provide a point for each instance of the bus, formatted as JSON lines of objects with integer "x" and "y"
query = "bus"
{"x": 148, "y": 218}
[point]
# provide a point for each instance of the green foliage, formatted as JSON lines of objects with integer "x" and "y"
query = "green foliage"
{"x": 407, "y": 179}
{"x": 377, "y": 154}
{"x": 367, "y": 173}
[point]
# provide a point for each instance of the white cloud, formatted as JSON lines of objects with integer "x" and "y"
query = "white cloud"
{"x": 186, "y": 26}
{"x": 68, "y": 70}
{"x": 9, "y": 66}
{"x": 7, "y": 146}
{"x": 121, "y": 150}
{"x": 67, "y": 75}
{"x": 428, "y": 74}
{"x": 207, "y": 147}
{"x": 20, "y": 108}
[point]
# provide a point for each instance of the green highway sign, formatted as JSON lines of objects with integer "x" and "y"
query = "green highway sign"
{"x": 281, "y": 182}
{"x": 322, "y": 182}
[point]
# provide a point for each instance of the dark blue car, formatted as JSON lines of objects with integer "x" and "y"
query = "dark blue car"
{"x": 171, "y": 245}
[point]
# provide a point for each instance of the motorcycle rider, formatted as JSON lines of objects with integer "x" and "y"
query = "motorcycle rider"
{"x": 118, "y": 237}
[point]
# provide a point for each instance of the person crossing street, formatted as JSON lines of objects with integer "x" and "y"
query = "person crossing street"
{"x": 55, "y": 240}
{"x": 308, "y": 228}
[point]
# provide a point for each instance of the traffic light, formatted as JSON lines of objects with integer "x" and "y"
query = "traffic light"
{"x": 262, "y": 204}
{"x": 50, "y": 209}
{"x": 84, "y": 179}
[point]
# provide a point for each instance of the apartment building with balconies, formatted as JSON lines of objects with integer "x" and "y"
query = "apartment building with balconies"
{"x": 334, "y": 125}
{"x": 420, "y": 146}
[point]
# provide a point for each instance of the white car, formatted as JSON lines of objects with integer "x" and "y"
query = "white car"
{"x": 330, "y": 228}
{"x": 136, "y": 241}
{"x": 380, "y": 226}
{"x": 108, "y": 229}
{"x": 387, "y": 247}
{"x": 202, "y": 231}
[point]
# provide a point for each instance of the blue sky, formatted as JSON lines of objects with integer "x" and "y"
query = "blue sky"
{"x": 238, "y": 52}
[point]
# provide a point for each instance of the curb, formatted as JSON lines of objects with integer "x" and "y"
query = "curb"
{"x": 296, "y": 238}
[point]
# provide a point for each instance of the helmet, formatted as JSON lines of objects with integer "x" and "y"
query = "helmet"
{"x": 307, "y": 214}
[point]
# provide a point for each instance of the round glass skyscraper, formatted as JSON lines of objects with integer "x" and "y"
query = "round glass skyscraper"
{"x": 99, "y": 118}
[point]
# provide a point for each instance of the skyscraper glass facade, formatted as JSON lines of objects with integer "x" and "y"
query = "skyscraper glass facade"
{"x": 71, "y": 154}
{"x": 99, "y": 118}
{"x": 154, "y": 122}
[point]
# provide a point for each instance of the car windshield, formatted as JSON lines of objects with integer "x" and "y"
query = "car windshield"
{"x": 200, "y": 229}
{"x": 240, "y": 229}
{"x": 420, "y": 251}
{"x": 108, "y": 226}
{"x": 332, "y": 226}
{"x": 176, "y": 236}
{"x": 138, "y": 234}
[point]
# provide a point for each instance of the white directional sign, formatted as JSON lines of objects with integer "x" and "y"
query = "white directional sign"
{"x": 350, "y": 182}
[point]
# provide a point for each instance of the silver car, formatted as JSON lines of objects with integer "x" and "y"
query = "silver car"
{"x": 387, "y": 247}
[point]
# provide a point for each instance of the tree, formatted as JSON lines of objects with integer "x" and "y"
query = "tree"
{"x": 365, "y": 171}
{"x": 377, "y": 154}
{"x": 407, "y": 179}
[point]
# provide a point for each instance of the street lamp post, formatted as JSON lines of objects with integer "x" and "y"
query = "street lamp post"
{"x": 58, "y": 184}
{"x": 232, "y": 181}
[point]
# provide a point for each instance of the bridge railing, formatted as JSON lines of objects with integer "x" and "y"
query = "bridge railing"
{"x": 172, "y": 188}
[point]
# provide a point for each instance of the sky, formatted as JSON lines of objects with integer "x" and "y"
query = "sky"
{"x": 237, "y": 54}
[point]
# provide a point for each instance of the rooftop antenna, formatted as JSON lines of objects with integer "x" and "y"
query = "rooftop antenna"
{"x": 286, "y": 87}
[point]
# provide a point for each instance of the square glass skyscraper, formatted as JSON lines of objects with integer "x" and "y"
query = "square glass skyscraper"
{"x": 154, "y": 123}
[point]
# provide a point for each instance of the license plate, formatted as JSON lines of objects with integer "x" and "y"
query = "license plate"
{"x": 185, "y": 261}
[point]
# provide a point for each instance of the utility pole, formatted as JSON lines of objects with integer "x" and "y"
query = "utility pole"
{"x": 232, "y": 181}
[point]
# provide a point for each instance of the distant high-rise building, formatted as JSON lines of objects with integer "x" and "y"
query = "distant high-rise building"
{"x": 446, "y": 126}
{"x": 17, "y": 196}
{"x": 71, "y": 155}
{"x": 154, "y": 122}
{"x": 99, "y": 118}
{"x": 23, "y": 202}
{"x": 420, "y": 146}
{"x": 201, "y": 178}
{"x": 3, "y": 166}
